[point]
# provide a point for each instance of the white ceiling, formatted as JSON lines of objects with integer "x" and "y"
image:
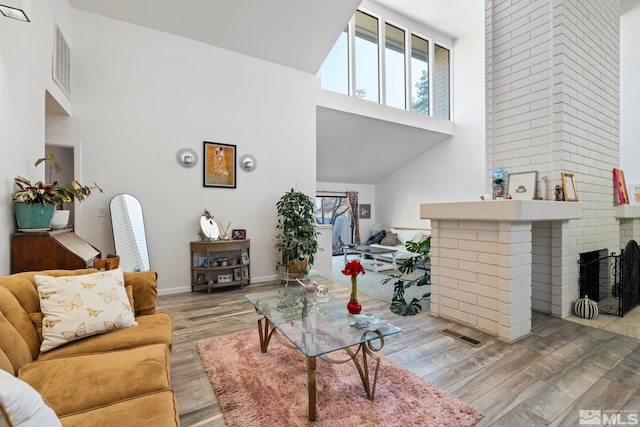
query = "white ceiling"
{"x": 299, "y": 34}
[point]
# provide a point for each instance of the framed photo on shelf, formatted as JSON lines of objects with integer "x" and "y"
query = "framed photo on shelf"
{"x": 245, "y": 273}
{"x": 569, "y": 187}
{"x": 238, "y": 234}
{"x": 237, "y": 274}
{"x": 245, "y": 258}
{"x": 522, "y": 186}
{"x": 219, "y": 165}
{"x": 621, "y": 186}
{"x": 364, "y": 211}
{"x": 200, "y": 279}
{"x": 225, "y": 278}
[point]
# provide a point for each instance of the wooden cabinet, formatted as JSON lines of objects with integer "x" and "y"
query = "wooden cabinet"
{"x": 219, "y": 263}
{"x": 49, "y": 250}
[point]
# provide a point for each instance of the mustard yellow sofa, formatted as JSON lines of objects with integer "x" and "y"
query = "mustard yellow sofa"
{"x": 116, "y": 378}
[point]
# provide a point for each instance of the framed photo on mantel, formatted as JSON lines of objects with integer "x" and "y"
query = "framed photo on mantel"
{"x": 569, "y": 187}
{"x": 621, "y": 186}
{"x": 523, "y": 186}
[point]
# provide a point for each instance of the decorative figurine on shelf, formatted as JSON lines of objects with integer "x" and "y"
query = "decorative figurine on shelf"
{"x": 498, "y": 177}
{"x": 558, "y": 194}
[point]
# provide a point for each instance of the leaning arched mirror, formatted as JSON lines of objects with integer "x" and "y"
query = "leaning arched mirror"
{"x": 129, "y": 236}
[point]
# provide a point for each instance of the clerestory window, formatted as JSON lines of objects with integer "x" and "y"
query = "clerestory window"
{"x": 381, "y": 62}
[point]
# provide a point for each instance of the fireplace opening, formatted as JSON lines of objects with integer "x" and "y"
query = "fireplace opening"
{"x": 612, "y": 280}
{"x": 594, "y": 276}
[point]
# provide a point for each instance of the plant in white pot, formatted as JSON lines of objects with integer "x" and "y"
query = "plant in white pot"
{"x": 297, "y": 236}
{"x": 36, "y": 202}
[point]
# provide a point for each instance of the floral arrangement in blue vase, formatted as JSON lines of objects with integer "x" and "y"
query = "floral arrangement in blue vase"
{"x": 499, "y": 177}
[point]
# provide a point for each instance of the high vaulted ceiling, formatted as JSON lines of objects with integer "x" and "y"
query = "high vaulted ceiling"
{"x": 299, "y": 34}
{"x": 295, "y": 33}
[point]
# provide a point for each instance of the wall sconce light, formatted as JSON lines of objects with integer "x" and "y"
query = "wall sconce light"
{"x": 247, "y": 162}
{"x": 187, "y": 158}
{"x": 14, "y": 9}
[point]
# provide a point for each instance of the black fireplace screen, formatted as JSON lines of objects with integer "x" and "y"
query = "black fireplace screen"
{"x": 612, "y": 280}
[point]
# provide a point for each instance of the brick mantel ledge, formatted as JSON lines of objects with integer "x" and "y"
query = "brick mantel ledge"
{"x": 502, "y": 210}
{"x": 627, "y": 211}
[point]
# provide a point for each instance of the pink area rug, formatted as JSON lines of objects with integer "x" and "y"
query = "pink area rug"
{"x": 256, "y": 389}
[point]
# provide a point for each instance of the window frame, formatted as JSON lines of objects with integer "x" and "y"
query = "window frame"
{"x": 381, "y": 66}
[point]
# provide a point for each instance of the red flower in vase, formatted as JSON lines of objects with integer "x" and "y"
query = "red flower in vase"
{"x": 353, "y": 268}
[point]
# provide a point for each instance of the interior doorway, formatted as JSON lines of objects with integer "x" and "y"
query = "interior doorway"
{"x": 65, "y": 157}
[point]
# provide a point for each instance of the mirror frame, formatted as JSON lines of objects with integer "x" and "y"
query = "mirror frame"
{"x": 122, "y": 247}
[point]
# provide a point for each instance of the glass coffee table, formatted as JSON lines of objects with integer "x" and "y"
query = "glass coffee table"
{"x": 321, "y": 327}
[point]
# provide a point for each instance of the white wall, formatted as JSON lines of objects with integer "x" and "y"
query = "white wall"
{"x": 140, "y": 95}
{"x": 630, "y": 95}
{"x": 25, "y": 74}
{"x": 454, "y": 169}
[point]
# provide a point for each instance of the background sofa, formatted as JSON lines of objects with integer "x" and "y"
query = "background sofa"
{"x": 396, "y": 238}
{"x": 116, "y": 378}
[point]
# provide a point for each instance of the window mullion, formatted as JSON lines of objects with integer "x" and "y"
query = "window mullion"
{"x": 431, "y": 78}
{"x": 351, "y": 34}
{"x": 382, "y": 43}
{"x": 407, "y": 71}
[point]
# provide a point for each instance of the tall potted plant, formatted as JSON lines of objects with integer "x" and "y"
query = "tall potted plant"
{"x": 296, "y": 239}
{"x": 36, "y": 202}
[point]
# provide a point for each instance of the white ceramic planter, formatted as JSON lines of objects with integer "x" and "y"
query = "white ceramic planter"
{"x": 60, "y": 219}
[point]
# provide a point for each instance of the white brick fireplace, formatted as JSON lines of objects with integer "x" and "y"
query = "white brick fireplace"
{"x": 552, "y": 106}
{"x": 491, "y": 263}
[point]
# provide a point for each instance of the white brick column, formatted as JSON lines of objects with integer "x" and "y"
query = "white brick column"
{"x": 514, "y": 279}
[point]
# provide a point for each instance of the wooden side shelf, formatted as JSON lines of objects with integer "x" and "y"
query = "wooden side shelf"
{"x": 220, "y": 263}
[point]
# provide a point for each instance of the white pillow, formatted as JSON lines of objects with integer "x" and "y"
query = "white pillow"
{"x": 22, "y": 406}
{"x": 75, "y": 307}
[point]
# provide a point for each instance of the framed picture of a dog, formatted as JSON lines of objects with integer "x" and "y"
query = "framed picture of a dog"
{"x": 219, "y": 165}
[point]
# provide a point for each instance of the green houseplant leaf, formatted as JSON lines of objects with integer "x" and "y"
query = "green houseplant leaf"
{"x": 296, "y": 232}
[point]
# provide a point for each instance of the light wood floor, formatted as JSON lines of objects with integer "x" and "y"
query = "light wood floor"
{"x": 544, "y": 379}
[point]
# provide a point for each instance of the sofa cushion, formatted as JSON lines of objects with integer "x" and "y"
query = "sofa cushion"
{"x": 390, "y": 239}
{"x": 75, "y": 307}
{"x": 21, "y": 405}
{"x": 376, "y": 238}
{"x": 18, "y": 318}
{"x": 13, "y": 345}
{"x": 152, "y": 329}
{"x": 145, "y": 290}
{"x": 155, "y": 409}
{"x": 77, "y": 383}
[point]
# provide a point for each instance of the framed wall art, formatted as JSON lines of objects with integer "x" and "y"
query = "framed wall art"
{"x": 569, "y": 187}
{"x": 522, "y": 186}
{"x": 621, "y": 186}
{"x": 364, "y": 211}
{"x": 219, "y": 165}
{"x": 238, "y": 234}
